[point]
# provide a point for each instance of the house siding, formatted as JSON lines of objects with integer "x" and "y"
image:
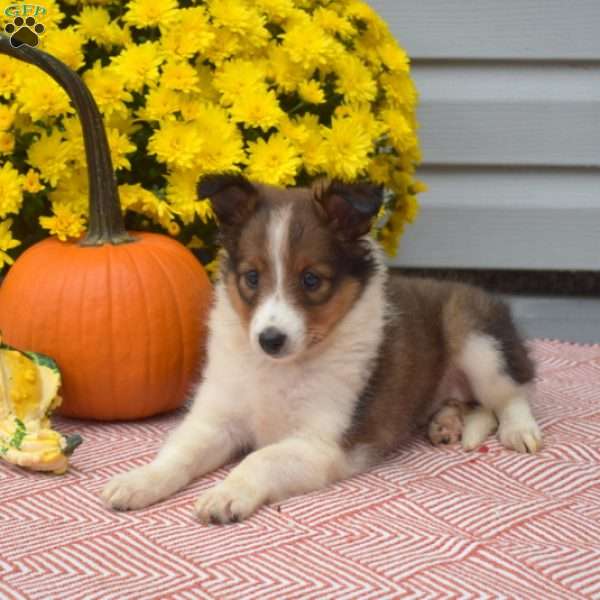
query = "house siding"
{"x": 510, "y": 131}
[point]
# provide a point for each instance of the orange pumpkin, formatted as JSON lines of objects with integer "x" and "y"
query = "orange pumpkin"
{"x": 123, "y": 314}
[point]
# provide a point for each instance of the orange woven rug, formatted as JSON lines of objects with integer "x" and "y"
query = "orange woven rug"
{"x": 428, "y": 523}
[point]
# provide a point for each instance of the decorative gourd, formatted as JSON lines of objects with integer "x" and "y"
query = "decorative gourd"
{"x": 29, "y": 385}
{"x": 123, "y": 313}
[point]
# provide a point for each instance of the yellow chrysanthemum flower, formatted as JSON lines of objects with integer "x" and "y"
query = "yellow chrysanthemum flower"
{"x": 282, "y": 70}
{"x": 380, "y": 168}
{"x": 312, "y": 92}
{"x": 64, "y": 222}
{"x": 73, "y": 136}
{"x": 306, "y": 134}
{"x": 125, "y": 124}
{"x": 208, "y": 115}
{"x": 188, "y": 34}
{"x": 161, "y": 105}
{"x": 205, "y": 211}
{"x": 309, "y": 45}
{"x": 276, "y": 10}
{"x": 138, "y": 64}
{"x": 207, "y": 90}
{"x": 237, "y": 78}
{"x": 361, "y": 11}
{"x": 218, "y": 86}
{"x": 363, "y": 115}
{"x": 354, "y": 80}
{"x": 400, "y": 133}
{"x": 399, "y": 90}
{"x": 333, "y": 23}
{"x": 411, "y": 208}
{"x": 7, "y": 142}
{"x": 66, "y": 45}
{"x": 182, "y": 195}
{"x": 92, "y": 23}
{"x": 151, "y": 13}
{"x": 176, "y": 144}
{"x": 8, "y": 79}
{"x": 7, "y": 116}
{"x": 295, "y": 130}
{"x": 113, "y": 35}
{"x": 7, "y": 242}
{"x": 257, "y": 109}
{"x": 275, "y": 161}
{"x": 11, "y": 195}
{"x": 50, "y": 154}
{"x": 120, "y": 145}
{"x": 224, "y": 156}
{"x": 31, "y": 182}
{"x": 108, "y": 88}
{"x": 347, "y": 146}
{"x": 72, "y": 192}
{"x": 239, "y": 17}
{"x": 135, "y": 197}
{"x": 179, "y": 76}
{"x": 393, "y": 57}
{"x": 225, "y": 45}
{"x": 41, "y": 97}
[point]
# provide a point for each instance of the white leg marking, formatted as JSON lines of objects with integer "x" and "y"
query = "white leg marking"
{"x": 518, "y": 429}
{"x": 483, "y": 363}
{"x": 276, "y": 472}
{"x": 479, "y": 423}
{"x": 200, "y": 444}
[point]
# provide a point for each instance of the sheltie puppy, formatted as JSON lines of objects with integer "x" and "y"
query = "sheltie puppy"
{"x": 319, "y": 361}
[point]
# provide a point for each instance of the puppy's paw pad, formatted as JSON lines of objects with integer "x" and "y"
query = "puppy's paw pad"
{"x": 226, "y": 503}
{"x": 129, "y": 491}
{"x": 522, "y": 437}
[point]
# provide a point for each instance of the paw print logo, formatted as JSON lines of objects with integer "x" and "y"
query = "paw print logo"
{"x": 24, "y": 31}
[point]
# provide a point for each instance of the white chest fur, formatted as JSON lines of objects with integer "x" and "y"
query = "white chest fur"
{"x": 313, "y": 396}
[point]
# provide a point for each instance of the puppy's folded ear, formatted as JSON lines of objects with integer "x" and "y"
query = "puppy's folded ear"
{"x": 349, "y": 208}
{"x": 233, "y": 197}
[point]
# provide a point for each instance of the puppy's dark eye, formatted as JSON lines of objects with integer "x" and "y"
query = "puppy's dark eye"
{"x": 310, "y": 281}
{"x": 251, "y": 278}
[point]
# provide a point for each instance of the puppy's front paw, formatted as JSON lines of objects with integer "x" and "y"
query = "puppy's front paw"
{"x": 228, "y": 502}
{"x": 137, "y": 489}
{"x": 524, "y": 436}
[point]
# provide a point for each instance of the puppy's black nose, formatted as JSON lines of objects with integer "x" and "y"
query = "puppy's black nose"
{"x": 271, "y": 340}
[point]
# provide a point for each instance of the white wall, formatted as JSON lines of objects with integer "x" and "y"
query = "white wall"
{"x": 510, "y": 129}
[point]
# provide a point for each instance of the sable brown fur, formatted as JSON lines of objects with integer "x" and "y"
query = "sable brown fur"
{"x": 427, "y": 328}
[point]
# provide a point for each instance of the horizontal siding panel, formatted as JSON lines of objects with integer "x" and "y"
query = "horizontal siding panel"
{"x": 507, "y": 115}
{"x": 494, "y": 29}
{"x": 508, "y": 82}
{"x": 496, "y": 219}
{"x": 511, "y": 189}
{"x": 501, "y": 133}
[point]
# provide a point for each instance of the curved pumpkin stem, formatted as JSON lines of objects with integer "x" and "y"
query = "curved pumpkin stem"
{"x": 106, "y": 224}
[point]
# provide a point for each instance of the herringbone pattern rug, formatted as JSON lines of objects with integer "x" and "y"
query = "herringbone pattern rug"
{"x": 428, "y": 523}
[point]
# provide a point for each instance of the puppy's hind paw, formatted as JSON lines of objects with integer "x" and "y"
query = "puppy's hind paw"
{"x": 446, "y": 426}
